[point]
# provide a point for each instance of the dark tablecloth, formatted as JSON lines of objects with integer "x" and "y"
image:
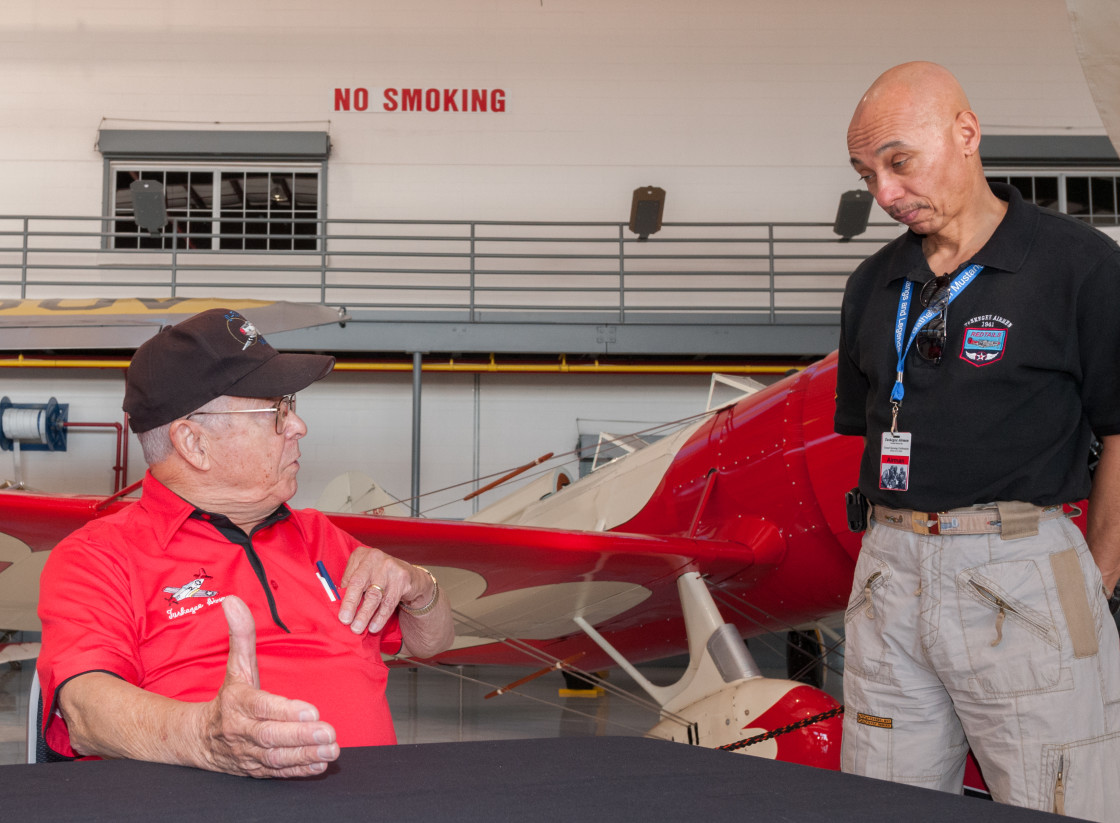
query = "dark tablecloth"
{"x": 555, "y": 779}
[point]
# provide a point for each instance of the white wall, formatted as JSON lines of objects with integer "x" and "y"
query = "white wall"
{"x": 362, "y": 422}
{"x": 738, "y": 108}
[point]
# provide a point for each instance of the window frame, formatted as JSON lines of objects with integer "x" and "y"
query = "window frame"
{"x": 218, "y": 152}
{"x": 216, "y": 215}
{"x": 1062, "y": 177}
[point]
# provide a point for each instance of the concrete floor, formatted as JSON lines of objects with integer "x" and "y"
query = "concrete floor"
{"x": 431, "y": 705}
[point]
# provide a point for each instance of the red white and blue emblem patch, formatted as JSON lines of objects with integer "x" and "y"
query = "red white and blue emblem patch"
{"x": 983, "y": 345}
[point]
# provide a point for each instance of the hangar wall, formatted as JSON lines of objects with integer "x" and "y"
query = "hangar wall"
{"x": 470, "y": 427}
{"x": 738, "y": 108}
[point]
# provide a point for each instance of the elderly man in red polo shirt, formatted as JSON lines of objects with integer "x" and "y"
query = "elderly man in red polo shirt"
{"x": 162, "y": 623}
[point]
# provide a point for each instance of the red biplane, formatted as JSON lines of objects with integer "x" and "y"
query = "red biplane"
{"x": 744, "y": 507}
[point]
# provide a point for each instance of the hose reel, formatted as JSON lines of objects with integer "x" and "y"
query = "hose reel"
{"x": 33, "y": 426}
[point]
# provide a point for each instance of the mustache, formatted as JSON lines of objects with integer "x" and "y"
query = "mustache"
{"x": 895, "y": 211}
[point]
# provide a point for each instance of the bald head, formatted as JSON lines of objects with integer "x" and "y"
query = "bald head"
{"x": 928, "y": 91}
{"x": 915, "y": 141}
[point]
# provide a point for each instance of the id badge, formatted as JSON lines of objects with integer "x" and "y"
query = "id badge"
{"x": 894, "y": 461}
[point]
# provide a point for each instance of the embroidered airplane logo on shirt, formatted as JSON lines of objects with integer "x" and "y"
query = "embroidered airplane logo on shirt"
{"x": 983, "y": 346}
{"x": 191, "y": 589}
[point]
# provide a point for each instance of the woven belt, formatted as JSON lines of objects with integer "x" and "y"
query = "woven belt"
{"x": 1021, "y": 519}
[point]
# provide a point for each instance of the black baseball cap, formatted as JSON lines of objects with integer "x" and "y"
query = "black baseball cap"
{"x": 216, "y": 352}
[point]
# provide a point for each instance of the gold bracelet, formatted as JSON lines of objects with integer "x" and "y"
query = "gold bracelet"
{"x": 431, "y": 604}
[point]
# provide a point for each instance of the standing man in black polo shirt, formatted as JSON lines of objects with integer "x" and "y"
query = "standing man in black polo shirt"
{"x": 979, "y": 354}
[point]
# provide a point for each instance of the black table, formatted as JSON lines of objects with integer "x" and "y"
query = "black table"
{"x": 555, "y": 779}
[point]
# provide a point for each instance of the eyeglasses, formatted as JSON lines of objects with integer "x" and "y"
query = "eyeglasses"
{"x": 930, "y": 342}
{"x": 285, "y": 406}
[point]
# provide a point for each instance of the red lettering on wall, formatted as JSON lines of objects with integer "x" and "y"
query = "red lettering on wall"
{"x": 431, "y": 100}
{"x": 342, "y": 99}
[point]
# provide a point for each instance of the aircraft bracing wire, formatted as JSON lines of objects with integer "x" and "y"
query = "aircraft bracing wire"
{"x": 447, "y": 670}
{"x": 733, "y": 601}
{"x": 575, "y": 453}
{"x": 542, "y": 656}
{"x": 823, "y": 656}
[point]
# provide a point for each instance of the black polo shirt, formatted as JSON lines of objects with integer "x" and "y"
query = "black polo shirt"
{"x": 1030, "y": 370}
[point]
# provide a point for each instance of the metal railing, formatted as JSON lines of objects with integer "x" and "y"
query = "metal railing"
{"x": 475, "y": 271}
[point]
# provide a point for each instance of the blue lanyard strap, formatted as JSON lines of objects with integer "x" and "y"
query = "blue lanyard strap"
{"x": 958, "y": 285}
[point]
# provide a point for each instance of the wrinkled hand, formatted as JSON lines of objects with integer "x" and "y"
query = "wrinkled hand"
{"x": 254, "y": 733}
{"x": 366, "y": 605}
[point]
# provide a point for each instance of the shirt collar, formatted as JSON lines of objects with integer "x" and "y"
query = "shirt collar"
{"x": 227, "y": 527}
{"x": 1006, "y": 250}
{"x": 168, "y": 511}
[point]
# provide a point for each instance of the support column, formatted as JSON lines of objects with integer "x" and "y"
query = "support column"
{"x": 417, "y": 371}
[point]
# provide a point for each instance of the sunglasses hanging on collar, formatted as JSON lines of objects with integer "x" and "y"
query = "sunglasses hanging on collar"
{"x": 930, "y": 342}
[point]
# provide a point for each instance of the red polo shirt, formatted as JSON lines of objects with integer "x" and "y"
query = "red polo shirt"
{"x": 138, "y": 594}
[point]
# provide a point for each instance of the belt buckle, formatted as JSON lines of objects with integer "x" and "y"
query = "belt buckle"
{"x": 925, "y": 523}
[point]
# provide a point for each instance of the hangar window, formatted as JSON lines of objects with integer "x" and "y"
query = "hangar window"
{"x": 1073, "y": 174}
{"x": 223, "y": 191}
{"x": 248, "y": 208}
{"x": 1091, "y": 197}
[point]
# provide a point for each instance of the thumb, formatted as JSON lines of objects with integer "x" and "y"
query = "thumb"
{"x": 242, "y": 665}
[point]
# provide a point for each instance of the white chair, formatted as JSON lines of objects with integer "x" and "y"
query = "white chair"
{"x": 34, "y": 718}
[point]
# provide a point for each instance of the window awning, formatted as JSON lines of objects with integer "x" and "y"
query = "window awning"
{"x": 160, "y": 144}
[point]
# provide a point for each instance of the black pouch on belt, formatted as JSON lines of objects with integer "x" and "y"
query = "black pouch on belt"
{"x": 857, "y": 506}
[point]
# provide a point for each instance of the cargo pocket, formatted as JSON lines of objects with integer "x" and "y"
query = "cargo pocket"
{"x": 1013, "y": 646}
{"x": 1079, "y": 779}
{"x": 865, "y": 646}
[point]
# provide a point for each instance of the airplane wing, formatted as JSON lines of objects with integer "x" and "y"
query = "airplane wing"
{"x": 505, "y": 582}
{"x": 125, "y": 323}
{"x": 30, "y": 525}
{"x": 528, "y": 584}
{"x": 1096, "y": 26}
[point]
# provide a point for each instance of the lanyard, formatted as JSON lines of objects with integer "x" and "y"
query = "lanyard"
{"x": 959, "y": 284}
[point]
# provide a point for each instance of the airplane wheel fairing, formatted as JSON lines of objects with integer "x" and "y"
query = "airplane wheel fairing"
{"x": 761, "y": 706}
{"x": 818, "y": 744}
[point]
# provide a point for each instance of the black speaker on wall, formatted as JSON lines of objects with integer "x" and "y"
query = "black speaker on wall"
{"x": 646, "y": 210}
{"x": 149, "y": 207}
{"x": 852, "y": 214}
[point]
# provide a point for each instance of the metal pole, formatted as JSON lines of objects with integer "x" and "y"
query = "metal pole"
{"x": 174, "y": 256}
{"x": 321, "y": 229}
{"x": 621, "y": 275}
{"x": 477, "y": 467}
{"x": 471, "y": 314}
{"x": 26, "y": 241}
{"x": 416, "y": 380}
{"x": 772, "y": 298}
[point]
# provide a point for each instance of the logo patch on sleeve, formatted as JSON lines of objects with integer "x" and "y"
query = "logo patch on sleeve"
{"x": 877, "y": 722}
